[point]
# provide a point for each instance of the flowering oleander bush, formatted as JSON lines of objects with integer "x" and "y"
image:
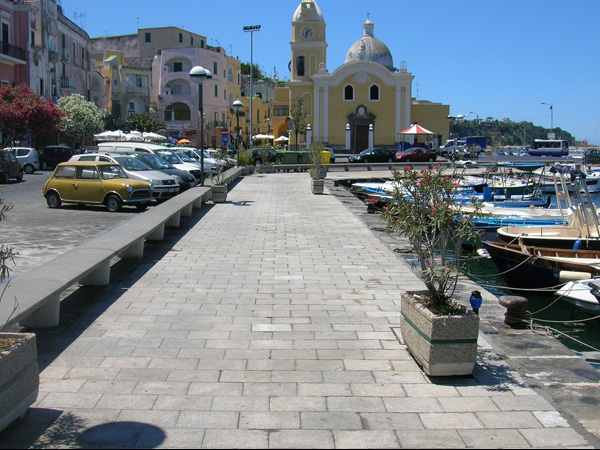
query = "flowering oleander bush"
{"x": 424, "y": 211}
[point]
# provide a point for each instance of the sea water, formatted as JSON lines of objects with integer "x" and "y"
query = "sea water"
{"x": 577, "y": 330}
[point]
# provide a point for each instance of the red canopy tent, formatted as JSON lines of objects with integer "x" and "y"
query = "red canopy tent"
{"x": 416, "y": 129}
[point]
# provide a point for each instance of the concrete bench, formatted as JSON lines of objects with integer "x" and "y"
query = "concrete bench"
{"x": 33, "y": 298}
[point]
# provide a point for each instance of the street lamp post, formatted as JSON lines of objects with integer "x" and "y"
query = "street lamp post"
{"x": 251, "y": 29}
{"x": 477, "y": 119}
{"x": 551, "y": 117}
{"x": 199, "y": 74}
{"x": 237, "y": 105}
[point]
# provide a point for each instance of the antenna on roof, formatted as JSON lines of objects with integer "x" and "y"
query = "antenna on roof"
{"x": 79, "y": 16}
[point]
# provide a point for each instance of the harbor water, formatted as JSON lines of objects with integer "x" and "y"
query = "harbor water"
{"x": 548, "y": 314}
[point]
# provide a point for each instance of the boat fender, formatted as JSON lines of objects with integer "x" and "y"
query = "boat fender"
{"x": 577, "y": 244}
{"x": 564, "y": 276}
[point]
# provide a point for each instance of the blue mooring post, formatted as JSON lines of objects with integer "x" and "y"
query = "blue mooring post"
{"x": 476, "y": 301}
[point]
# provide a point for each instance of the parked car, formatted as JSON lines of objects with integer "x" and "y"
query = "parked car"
{"x": 229, "y": 162}
{"x": 210, "y": 165}
{"x": 9, "y": 167}
{"x": 165, "y": 186}
{"x": 27, "y": 157}
{"x": 257, "y": 155}
{"x": 416, "y": 154}
{"x": 371, "y": 155}
{"x": 172, "y": 157}
{"x": 95, "y": 183}
{"x": 52, "y": 155}
{"x": 185, "y": 179}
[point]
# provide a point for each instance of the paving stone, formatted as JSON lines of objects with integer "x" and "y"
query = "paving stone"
{"x": 366, "y": 439}
{"x": 301, "y": 439}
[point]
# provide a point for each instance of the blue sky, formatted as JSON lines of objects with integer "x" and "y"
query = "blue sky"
{"x": 495, "y": 58}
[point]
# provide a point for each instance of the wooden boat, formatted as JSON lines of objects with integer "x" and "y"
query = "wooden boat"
{"x": 531, "y": 267}
{"x": 583, "y": 294}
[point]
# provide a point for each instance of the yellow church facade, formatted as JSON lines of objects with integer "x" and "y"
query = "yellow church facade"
{"x": 365, "y": 102}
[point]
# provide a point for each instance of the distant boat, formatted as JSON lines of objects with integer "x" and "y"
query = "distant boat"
{"x": 580, "y": 231}
{"x": 583, "y": 294}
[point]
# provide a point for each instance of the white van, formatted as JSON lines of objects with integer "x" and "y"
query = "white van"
{"x": 159, "y": 150}
{"x": 122, "y": 147}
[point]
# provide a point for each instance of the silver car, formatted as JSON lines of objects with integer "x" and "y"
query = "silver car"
{"x": 165, "y": 186}
{"x": 27, "y": 157}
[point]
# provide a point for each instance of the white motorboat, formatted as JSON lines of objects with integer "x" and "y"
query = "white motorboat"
{"x": 583, "y": 294}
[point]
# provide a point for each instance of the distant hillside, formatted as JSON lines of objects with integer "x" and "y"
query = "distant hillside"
{"x": 506, "y": 133}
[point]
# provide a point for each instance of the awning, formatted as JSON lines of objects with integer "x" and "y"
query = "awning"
{"x": 416, "y": 129}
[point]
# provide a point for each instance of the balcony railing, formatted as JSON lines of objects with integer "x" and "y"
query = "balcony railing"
{"x": 13, "y": 51}
{"x": 67, "y": 83}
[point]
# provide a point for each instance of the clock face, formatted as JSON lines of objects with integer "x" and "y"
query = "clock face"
{"x": 307, "y": 32}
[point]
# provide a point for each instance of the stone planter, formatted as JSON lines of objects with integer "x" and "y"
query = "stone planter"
{"x": 266, "y": 168}
{"x": 317, "y": 186}
{"x": 322, "y": 173}
{"x": 251, "y": 169}
{"x": 19, "y": 377}
{"x": 245, "y": 170}
{"x": 442, "y": 345}
{"x": 219, "y": 193}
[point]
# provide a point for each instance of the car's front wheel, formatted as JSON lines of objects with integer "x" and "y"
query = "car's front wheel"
{"x": 53, "y": 200}
{"x": 29, "y": 169}
{"x": 20, "y": 176}
{"x": 113, "y": 203}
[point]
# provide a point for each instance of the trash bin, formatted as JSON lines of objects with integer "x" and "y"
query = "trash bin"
{"x": 303, "y": 158}
{"x": 286, "y": 157}
{"x": 326, "y": 157}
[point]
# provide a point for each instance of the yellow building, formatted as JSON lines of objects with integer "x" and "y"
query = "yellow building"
{"x": 366, "y": 102}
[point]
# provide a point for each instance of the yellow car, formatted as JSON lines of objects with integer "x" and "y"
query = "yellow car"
{"x": 96, "y": 183}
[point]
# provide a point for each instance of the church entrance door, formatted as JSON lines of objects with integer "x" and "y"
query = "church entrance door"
{"x": 360, "y": 138}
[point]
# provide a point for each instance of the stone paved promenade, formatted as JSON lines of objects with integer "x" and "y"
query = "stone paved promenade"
{"x": 269, "y": 324}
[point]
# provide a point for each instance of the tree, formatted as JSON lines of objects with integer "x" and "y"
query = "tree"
{"x": 297, "y": 124}
{"x": 82, "y": 119}
{"x": 22, "y": 112}
{"x": 141, "y": 122}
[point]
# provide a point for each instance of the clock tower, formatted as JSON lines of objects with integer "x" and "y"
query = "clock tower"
{"x": 309, "y": 49}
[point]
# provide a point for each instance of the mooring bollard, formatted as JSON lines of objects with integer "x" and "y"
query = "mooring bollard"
{"x": 516, "y": 308}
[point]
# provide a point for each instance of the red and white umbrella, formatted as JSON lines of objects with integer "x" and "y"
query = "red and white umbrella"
{"x": 415, "y": 129}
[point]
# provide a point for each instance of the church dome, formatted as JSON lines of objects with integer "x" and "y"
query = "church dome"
{"x": 368, "y": 48}
{"x": 308, "y": 11}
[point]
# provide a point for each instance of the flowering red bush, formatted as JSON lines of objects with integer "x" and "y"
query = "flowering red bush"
{"x": 425, "y": 212}
{"x": 23, "y": 112}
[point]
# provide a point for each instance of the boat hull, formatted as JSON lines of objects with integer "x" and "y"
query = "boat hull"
{"x": 538, "y": 267}
{"x": 579, "y": 294}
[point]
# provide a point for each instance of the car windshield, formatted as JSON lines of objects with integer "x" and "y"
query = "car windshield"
{"x": 156, "y": 162}
{"x": 132, "y": 164}
{"x": 185, "y": 158}
{"x": 367, "y": 151}
{"x": 112, "y": 171}
{"x": 169, "y": 156}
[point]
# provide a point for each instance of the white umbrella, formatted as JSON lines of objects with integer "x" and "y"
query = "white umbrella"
{"x": 150, "y": 136}
{"x": 282, "y": 139}
{"x": 262, "y": 136}
{"x": 134, "y": 137}
{"x": 108, "y": 135}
